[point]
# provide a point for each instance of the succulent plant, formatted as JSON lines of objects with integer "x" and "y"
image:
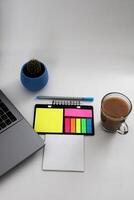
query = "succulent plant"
{"x": 33, "y": 68}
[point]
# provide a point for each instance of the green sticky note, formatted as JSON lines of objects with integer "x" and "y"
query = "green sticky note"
{"x": 83, "y": 126}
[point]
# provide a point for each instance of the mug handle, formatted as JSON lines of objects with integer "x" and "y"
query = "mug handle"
{"x": 123, "y": 128}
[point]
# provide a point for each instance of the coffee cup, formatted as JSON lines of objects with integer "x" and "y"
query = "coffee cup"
{"x": 115, "y": 108}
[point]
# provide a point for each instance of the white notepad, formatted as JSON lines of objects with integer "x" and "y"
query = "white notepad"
{"x": 64, "y": 153}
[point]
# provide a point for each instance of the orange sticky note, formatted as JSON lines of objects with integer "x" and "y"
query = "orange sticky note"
{"x": 73, "y": 125}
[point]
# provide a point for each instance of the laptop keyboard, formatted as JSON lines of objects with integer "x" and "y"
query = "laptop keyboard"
{"x": 6, "y": 117}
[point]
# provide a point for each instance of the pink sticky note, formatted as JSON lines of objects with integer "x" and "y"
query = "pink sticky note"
{"x": 67, "y": 125}
{"x": 73, "y": 112}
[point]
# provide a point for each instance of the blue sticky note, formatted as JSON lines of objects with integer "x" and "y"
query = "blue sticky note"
{"x": 89, "y": 126}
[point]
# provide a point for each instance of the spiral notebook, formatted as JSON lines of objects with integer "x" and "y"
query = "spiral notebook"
{"x": 64, "y": 126}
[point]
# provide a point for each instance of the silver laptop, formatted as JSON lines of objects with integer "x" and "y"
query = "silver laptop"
{"x": 17, "y": 138}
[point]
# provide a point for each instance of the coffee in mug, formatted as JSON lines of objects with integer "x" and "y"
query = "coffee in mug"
{"x": 115, "y": 107}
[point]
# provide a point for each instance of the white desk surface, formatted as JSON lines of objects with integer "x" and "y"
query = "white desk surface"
{"x": 88, "y": 47}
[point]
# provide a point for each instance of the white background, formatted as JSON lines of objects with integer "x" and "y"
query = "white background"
{"x": 88, "y": 48}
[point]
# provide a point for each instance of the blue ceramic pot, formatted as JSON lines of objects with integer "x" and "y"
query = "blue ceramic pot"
{"x": 34, "y": 83}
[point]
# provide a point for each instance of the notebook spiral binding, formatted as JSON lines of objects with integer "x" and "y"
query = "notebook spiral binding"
{"x": 65, "y": 103}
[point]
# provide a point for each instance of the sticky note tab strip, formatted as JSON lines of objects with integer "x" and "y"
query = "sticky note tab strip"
{"x": 73, "y": 125}
{"x": 89, "y": 126}
{"x": 83, "y": 126}
{"x": 78, "y": 126}
{"x": 67, "y": 125}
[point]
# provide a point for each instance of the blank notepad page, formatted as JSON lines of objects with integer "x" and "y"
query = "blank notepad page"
{"x": 64, "y": 152}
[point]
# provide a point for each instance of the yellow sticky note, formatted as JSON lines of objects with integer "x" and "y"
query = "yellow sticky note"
{"x": 78, "y": 126}
{"x": 49, "y": 120}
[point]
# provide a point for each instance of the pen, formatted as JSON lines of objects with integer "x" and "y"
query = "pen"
{"x": 66, "y": 98}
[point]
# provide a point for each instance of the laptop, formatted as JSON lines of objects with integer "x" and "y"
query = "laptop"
{"x": 17, "y": 138}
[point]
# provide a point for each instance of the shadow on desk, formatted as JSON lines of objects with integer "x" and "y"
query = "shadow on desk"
{"x": 20, "y": 167}
{"x": 18, "y": 94}
{"x": 101, "y": 142}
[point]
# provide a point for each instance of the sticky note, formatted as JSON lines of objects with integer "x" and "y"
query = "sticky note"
{"x": 83, "y": 125}
{"x": 78, "y": 126}
{"x": 49, "y": 120}
{"x": 72, "y": 125}
{"x": 67, "y": 125}
{"x": 74, "y": 112}
{"x": 89, "y": 126}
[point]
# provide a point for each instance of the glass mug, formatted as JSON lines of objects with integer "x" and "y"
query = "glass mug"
{"x": 115, "y": 107}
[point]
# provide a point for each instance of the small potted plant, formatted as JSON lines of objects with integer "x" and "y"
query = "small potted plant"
{"x": 34, "y": 75}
